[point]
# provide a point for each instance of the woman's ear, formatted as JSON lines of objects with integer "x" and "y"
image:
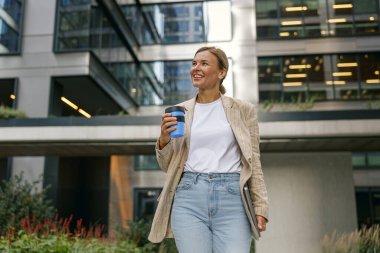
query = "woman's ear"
{"x": 222, "y": 74}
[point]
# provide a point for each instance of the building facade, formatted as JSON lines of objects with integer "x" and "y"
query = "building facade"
{"x": 94, "y": 76}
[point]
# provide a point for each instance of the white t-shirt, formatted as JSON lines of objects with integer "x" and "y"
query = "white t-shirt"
{"x": 213, "y": 147}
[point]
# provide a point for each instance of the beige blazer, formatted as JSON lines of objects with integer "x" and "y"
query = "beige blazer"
{"x": 242, "y": 117}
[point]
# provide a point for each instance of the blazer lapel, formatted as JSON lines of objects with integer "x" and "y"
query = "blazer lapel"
{"x": 241, "y": 133}
{"x": 189, "y": 112}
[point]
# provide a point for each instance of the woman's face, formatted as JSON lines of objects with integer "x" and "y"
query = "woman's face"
{"x": 205, "y": 72}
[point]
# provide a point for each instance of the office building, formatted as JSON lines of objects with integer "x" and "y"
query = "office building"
{"x": 94, "y": 76}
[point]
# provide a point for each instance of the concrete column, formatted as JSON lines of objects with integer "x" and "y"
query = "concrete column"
{"x": 311, "y": 194}
{"x": 34, "y": 96}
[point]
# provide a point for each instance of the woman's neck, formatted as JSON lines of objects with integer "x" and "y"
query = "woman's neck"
{"x": 204, "y": 97}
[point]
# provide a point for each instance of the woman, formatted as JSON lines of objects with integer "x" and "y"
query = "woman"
{"x": 201, "y": 200}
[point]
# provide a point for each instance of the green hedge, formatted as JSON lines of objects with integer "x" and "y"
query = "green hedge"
{"x": 7, "y": 113}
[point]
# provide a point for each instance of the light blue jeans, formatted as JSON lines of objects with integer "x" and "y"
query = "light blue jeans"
{"x": 208, "y": 214}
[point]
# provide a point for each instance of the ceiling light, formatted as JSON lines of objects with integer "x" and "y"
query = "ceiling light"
{"x": 337, "y": 20}
{"x": 296, "y": 8}
{"x": 292, "y": 22}
{"x": 301, "y": 66}
{"x": 342, "y": 6}
{"x": 342, "y": 74}
{"x": 377, "y": 72}
{"x": 68, "y": 102}
{"x": 284, "y": 34}
{"x": 295, "y": 75}
{"x": 84, "y": 113}
{"x": 372, "y": 81}
{"x": 336, "y": 82}
{"x": 290, "y": 84}
{"x": 372, "y": 18}
{"x": 346, "y": 64}
{"x": 12, "y": 96}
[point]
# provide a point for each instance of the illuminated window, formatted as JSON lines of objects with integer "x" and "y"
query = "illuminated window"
{"x": 320, "y": 77}
{"x": 285, "y": 19}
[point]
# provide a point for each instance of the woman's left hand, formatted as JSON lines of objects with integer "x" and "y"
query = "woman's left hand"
{"x": 261, "y": 222}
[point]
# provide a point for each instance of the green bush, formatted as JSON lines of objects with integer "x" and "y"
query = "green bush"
{"x": 7, "y": 113}
{"x": 366, "y": 240}
{"x": 24, "y": 243}
{"x": 20, "y": 199}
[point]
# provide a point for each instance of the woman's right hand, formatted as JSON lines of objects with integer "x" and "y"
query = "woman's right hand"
{"x": 167, "y": 122}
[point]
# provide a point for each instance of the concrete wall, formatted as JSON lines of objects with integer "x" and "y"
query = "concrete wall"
{"x": 311, "y": 194}
{"x": 32, "y": 168}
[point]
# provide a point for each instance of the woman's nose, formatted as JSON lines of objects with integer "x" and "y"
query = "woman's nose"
{"x": 195, "y": 66}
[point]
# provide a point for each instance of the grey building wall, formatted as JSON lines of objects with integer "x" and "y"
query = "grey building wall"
{"x": 310, "y": 194}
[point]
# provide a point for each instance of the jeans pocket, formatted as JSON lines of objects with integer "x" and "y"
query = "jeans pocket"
{"x": 185, "y": 184}
{"x": 233, "y": 188}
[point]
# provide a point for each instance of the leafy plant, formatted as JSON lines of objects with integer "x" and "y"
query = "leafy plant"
{"x": 7, "y": 113}
{"x": 20, "y": 199}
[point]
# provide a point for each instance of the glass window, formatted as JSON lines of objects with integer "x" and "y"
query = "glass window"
{"x": 345, "y": 76}
{"x": 270, "y": 79}
{"x": 316, "y": 18}
{"x": 175, "y": 23}
{"x": 366, "y": 16}
{"x": 8, "y": 93}
{"x": 10, "y": 26}
{"x": 363, "y": 207}
{"x": 320, "y": 77}
{"x": 319, "y": 87}
{"x": 340, "y": 17}
{"x": 358, "y": 160}
{"x": 73, "y": 30}
{"x": 145, "y": 202}
{"x": 146, "y": 162}
{"x": 373, "y": 159}
{"x": 370, "y": 76}
{"x": 168, "y": 23}
{"x": 4, "y": 168}
{"x": 366, "y": 160}
{"x": 368, "y": 206}
{"x": 294, "y": 79}
{"x": 267, "y": 21}
{"x": 291, "y": 18}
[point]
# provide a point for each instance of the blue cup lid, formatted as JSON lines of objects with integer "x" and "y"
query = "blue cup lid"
{"x": 175, "y": 109}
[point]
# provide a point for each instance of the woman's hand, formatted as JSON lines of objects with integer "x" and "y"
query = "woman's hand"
{"x": 167, "y": 122}
{"x": 261, "y": 222}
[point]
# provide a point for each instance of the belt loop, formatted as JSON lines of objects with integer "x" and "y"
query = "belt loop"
{"x": 196, "y": 178}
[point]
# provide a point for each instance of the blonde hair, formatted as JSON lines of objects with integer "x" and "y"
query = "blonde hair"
{"x": 222, "y": 62}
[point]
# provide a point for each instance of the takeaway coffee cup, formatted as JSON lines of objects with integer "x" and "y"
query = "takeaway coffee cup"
{"x": 179, "y": 113}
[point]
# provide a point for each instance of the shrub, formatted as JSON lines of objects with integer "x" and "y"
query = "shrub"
{"x": 20, "y": 199}
{"x": 366, "y": 240}
{"x": 7, "y": 113}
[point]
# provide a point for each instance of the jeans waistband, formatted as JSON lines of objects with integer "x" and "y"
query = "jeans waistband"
{"x": 212, "y": 176}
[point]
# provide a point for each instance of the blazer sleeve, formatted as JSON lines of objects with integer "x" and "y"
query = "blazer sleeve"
{"x": 256, "y": 183}
{"x": 164, "y": 155}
